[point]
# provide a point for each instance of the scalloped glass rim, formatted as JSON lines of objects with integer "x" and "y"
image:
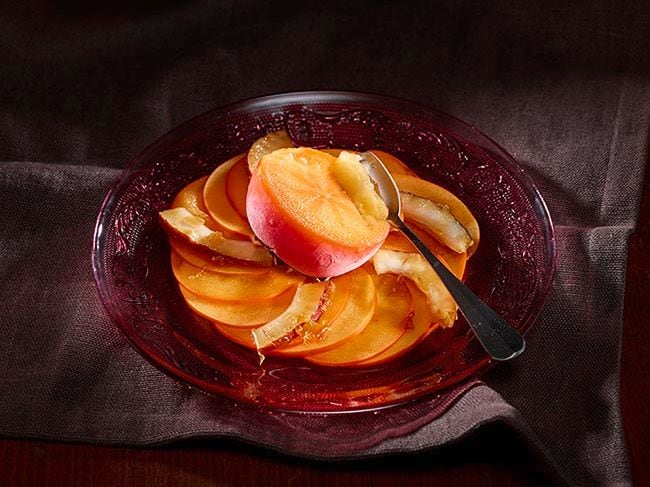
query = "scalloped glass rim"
{"x": 372, "y": 397}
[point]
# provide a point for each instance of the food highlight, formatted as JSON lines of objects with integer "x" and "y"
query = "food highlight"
{"x": 287, "y": 251}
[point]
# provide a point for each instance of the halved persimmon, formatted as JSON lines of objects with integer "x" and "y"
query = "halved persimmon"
{"x": 232, "y": 287}
{"x": 386, "y": 326}
{"x": 240, "y": 314}
{"x": 296, "y": 207}
{"x": 217, "y": 203}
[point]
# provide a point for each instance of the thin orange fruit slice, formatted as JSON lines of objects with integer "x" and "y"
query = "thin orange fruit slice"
{"x": 387, "y": 325}
{"x": 217, "y": 204}
{"x": 232, "y": 287}
{"x": 240, "y": 314}
{"x": 237, "y": 186}
{"x": 420, "y": 325}
{"x": 212, "y": 261}
{"x": 351, "y": 308}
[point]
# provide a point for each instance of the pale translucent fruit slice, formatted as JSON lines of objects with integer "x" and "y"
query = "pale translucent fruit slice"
{"x": 242, "y": 336}
{"x": 437, "y": 194}
{"x": 232, "y": 287}
{"x": 355, "y": 181}
{"x": 181, "y": 223}
{"x": 438, "y": 219}
{"x": 392, "y": 163}
{"x": 415, "y": 267}
{"x": 454, "y": 261}
{"x": 237, "y": 186}
{"x": 239, "y": 314}
{"x": 385, "y": 328}
{"x": 211, "y": 261}
{"x": 420, "y": 325}
{"x": 265, "y": 145}
{"x": 217, "y": 204}
{"x": 304, "y": 307}
{"x": 341, "y": 321}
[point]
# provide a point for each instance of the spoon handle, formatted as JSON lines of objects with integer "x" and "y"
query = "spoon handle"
{"x": 498, "y": 338}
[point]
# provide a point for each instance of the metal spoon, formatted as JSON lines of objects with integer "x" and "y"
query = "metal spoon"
{"x": 498, "y": 338}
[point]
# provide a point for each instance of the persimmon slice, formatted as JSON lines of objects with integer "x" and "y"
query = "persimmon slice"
{"x": 415, "y": 267}
{"x": 420, "y": 325}
{"x": 265, "y": 145}
{"x": 304, "y": 307}
{"x": 386, "y": 326}
{"x": 242, "y": 336}
{"x": 217, "y": 203}
{"x": 179, "y": 222}
{"x": 240, "y": 314}
{"x": 232, "y": 287}
{"x": 438, "y": 220}
{"x": 191, "y": 198}
{"x": 212, "y": 261}
{"x": 437, "y": 194}
{"x": 454, "y": 261}
{"x": 351, "y": 309}
{"x": 237, "y": 186}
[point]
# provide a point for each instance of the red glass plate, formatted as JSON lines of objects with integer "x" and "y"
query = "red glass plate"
{"x": 512, "y": 269}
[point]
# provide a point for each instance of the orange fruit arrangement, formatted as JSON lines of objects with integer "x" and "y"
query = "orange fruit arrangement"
{"x": 287, "y": 251}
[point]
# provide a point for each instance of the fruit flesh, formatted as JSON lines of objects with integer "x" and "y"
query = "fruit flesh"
{"x": 212, "y": 261}
{"x": 438, "y": 219}
{"x": 240, "y": 314}
{"x": 421, "y": 324}
{"x": 387, "y": 325}
{"x": 237, "y": 186}
{"x": 240, "y": 297}
{"x": 232, "y": 287}
{"x": 417, "y": 269}
{"x": 217, "y": 204}
{"x": 181, "y": 222}
{"x": 433, "y": 192}
{"x": 352, "y": 319}
{"x": 297, "y": 208}
{"x": 303, "y": 308}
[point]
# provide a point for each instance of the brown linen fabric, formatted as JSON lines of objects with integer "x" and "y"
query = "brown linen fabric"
{"x": 83, "y": 89}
